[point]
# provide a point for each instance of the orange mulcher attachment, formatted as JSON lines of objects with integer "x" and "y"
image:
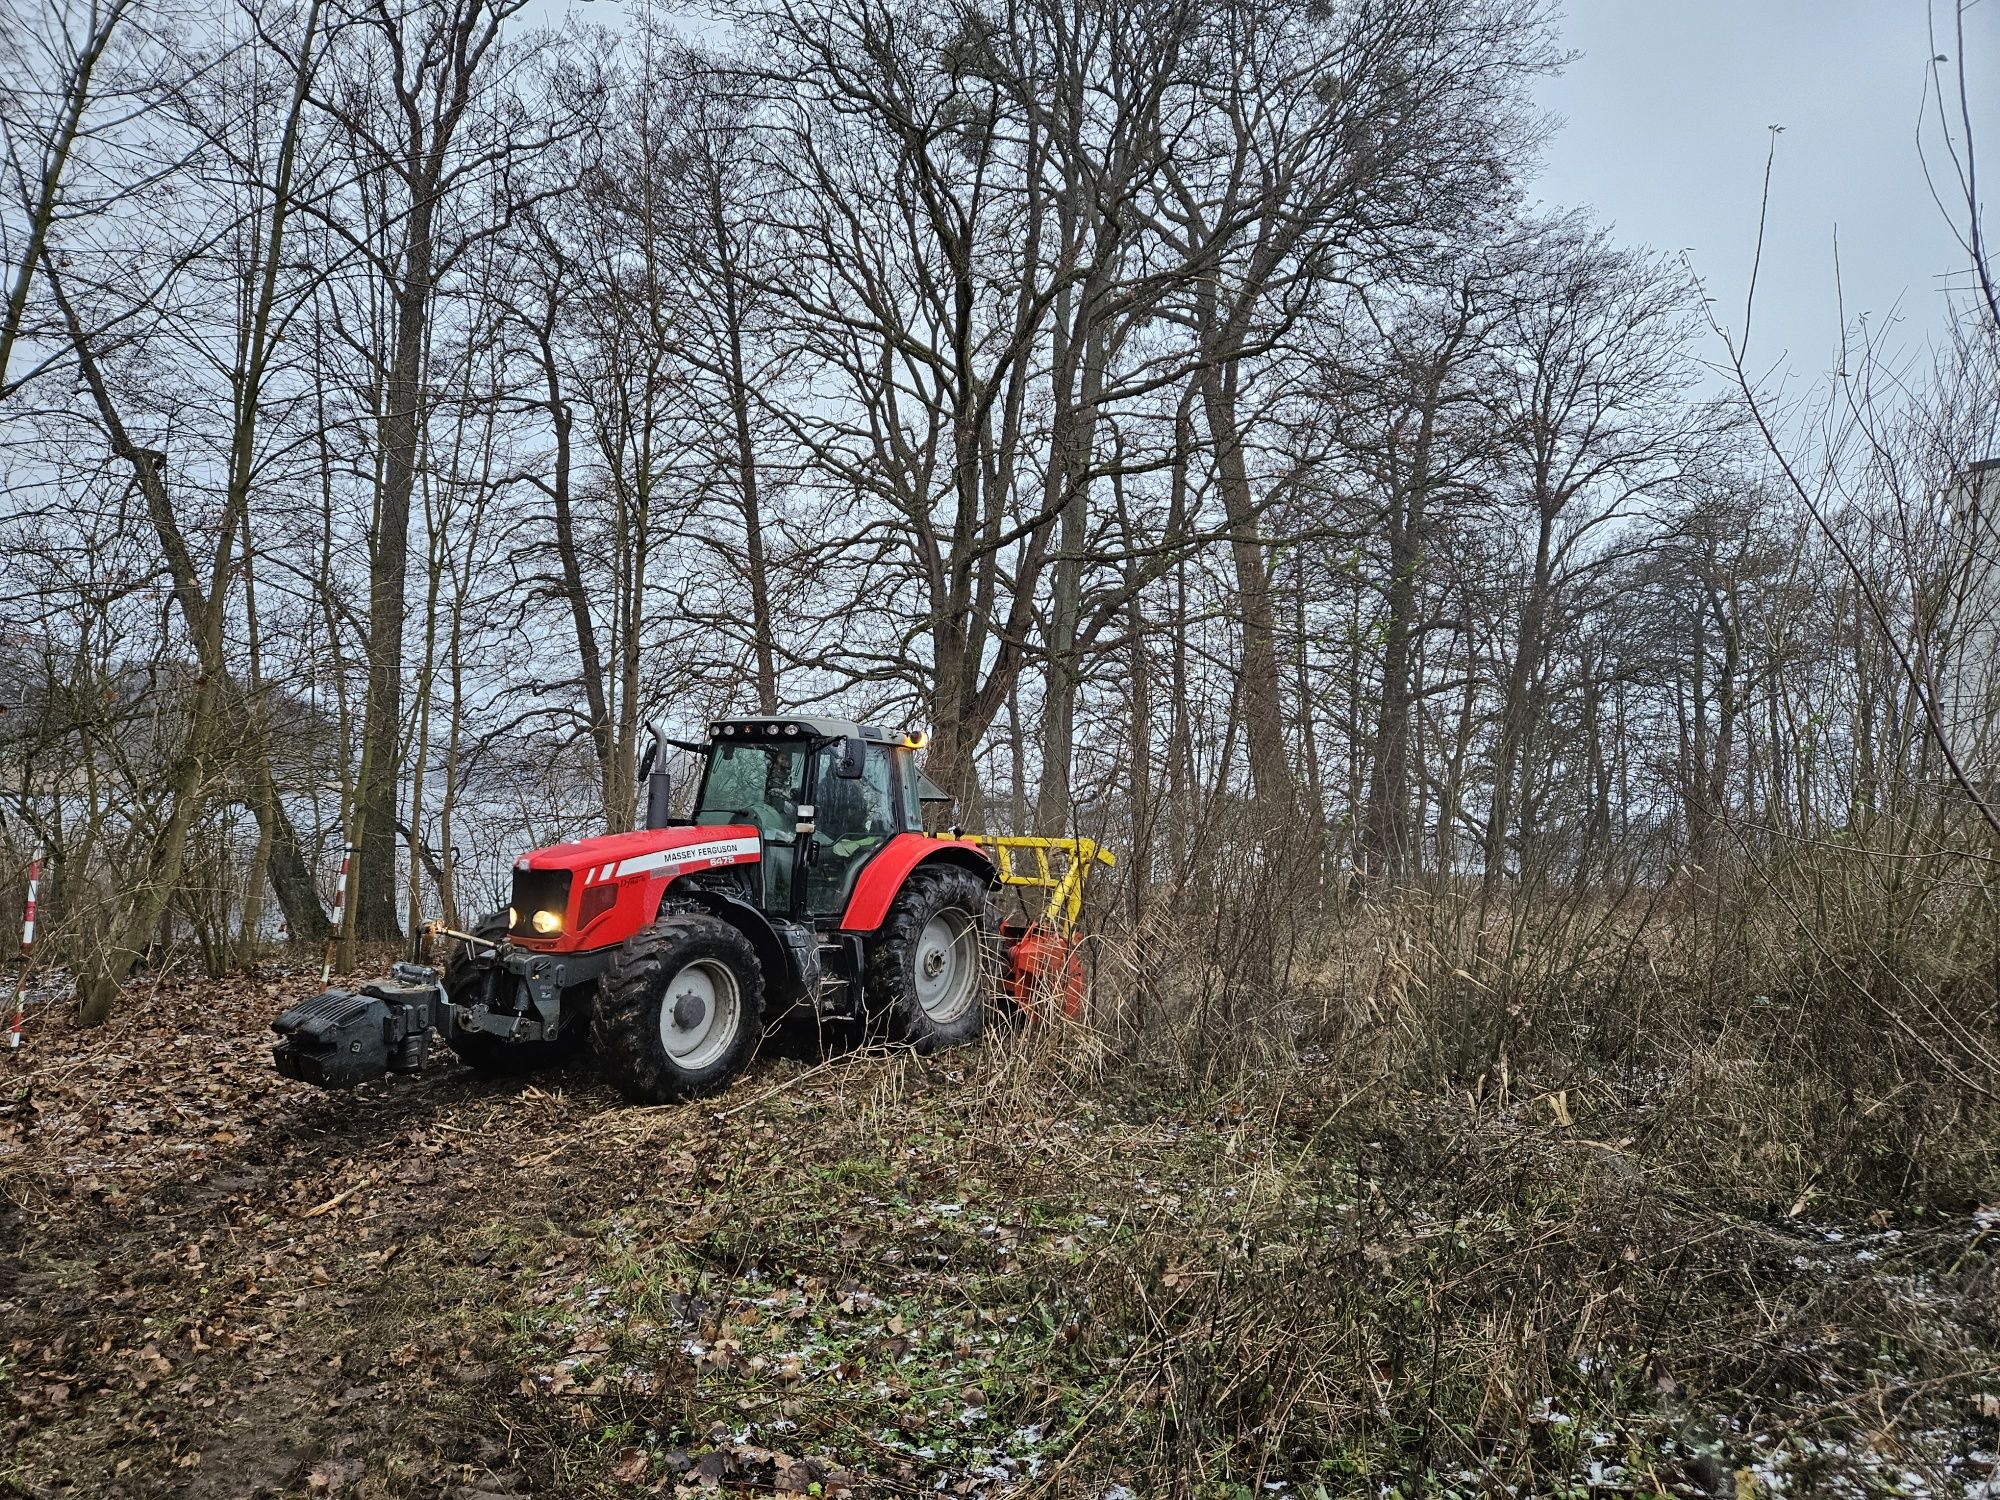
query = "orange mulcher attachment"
{"x": 1044, "y": 968}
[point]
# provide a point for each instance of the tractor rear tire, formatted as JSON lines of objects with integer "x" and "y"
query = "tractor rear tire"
{"x": 935, "y": 964}
{"x": 483, "y": 1051}
{"x": 680, "y": 1010}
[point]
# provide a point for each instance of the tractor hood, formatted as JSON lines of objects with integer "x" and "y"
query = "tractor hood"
{"x": 613, "y": 856}
{"x": 597, "y": 892}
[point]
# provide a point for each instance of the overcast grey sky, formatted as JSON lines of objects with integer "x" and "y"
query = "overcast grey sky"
{"x": 1665, "y": 113}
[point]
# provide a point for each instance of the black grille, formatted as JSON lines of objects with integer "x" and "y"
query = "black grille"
{"x": 538, "y": 890}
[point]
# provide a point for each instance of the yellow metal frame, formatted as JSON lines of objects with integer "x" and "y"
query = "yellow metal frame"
{"x": 1064, "y": 885}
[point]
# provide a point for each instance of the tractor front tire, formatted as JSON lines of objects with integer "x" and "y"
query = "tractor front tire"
{"x": 935, "y": 963}
{"x": 680, "y": 1010}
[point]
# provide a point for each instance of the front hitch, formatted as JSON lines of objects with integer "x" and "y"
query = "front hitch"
{"x": 343, "y": 1037}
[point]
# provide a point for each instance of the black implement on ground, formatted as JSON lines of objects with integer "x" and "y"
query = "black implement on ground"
{"x": 343, "y": 1037}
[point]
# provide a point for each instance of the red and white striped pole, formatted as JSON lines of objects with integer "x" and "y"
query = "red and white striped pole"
{"x": 339, "y": 912}
{"x": 27, "y": 954}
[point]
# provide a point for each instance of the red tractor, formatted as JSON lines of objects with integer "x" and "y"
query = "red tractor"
{"x": 802, "y": 885}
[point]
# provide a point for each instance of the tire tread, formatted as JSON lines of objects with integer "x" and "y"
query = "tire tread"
{"x": 888, "y": 984}
{"x": 625, "y": 1021}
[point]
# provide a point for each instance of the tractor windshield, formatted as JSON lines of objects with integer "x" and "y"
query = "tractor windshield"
{"x": 757, "y": 784}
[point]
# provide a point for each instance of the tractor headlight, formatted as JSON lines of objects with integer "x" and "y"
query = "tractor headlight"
{"x": 513, "y": 917}
{"x": 547, "y": 922}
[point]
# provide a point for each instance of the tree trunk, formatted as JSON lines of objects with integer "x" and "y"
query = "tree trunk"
{"x": 763, "y": 641}
{"x": 375, "y": 915}
{"x": 291, "y": 876}
{"x": 1262, "y": 694}
{"x": 1517, "y": 708}
{"x": 589, "y": 657}
{"x": 1386, "y": 842}
{"x": 249, "y": 933}
{"x": 1066, "y": 490}
{"x": 1139, "y": 752}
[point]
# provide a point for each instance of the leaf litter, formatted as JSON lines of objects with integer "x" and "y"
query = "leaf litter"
{"x": 886, "y": 1277}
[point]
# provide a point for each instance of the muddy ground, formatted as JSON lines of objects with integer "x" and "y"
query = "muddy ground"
{"x": 1022, "y": 1269}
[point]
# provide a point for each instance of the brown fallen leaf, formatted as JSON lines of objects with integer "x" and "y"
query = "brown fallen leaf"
{"x": 330, "y": 1476}
{"x": 631, "y": 1466}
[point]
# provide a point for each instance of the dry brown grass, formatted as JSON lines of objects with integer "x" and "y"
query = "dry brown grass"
{"x": 1598, "y": 1198}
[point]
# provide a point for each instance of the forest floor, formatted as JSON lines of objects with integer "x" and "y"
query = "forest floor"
{"x": 1007, "y": 1270}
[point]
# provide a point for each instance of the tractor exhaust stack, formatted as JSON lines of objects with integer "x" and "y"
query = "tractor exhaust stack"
{"x": 659, "y": 785}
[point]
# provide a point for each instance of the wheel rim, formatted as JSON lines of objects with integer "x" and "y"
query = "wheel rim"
{"x": 700, "y": 1014}
{"x": 947, "y": 965}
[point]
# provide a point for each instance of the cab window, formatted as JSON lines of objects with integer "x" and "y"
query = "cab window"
{"x": 756, "y": 784}
{"x": 907, "y": 791}
{"x": 861, "y": 808}
{"x": 853, "y": 819}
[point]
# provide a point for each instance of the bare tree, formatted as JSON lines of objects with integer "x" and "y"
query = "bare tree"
{"x": 1594, "y": 350}
{"x": 404, "y": 102}
{"x": 51, "y": 84}
{"x": 1414, "y": 419}
{"x": 221, "y": 712}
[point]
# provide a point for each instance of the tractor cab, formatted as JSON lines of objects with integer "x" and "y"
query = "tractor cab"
{"x": 825, "y": 795}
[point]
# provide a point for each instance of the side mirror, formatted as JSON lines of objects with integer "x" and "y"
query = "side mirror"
{"x": 849, "y": 759}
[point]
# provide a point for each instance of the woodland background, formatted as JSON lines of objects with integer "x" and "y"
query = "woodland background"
{"x": 1173, "y": 407}
{"x": 1545, "y": 1013}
